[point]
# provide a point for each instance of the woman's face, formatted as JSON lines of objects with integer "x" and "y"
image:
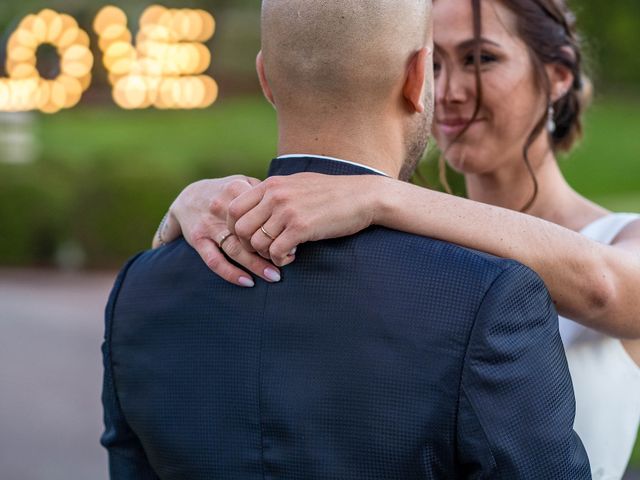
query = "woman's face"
{"x": 512, "y": 104}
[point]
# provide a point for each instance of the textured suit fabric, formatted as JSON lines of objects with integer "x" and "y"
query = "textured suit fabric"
{"x": 379, "y": 356}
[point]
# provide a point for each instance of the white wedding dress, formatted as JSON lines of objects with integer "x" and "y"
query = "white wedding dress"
{"x": 606, "y": 380}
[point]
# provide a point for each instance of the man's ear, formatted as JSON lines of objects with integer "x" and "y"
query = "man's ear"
{"x": 560, "y": 80}
{"x": 266, "y": 89}
{"x": 415, "y": 81}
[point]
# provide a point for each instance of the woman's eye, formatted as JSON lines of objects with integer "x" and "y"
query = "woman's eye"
{"x": 436, "y": 67}
{"x": 485, "y": 58}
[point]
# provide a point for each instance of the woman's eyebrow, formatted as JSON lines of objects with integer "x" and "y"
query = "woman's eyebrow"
{"x": 472, "y": 42}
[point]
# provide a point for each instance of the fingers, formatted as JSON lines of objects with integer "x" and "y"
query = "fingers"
{"x": 250, "y": 222}
{"x": 219, "y": 205}
{"x": 250, "y": 260}
{"x": 219, "y": 263}
{"x": 260, "y": 216}
{"x": 282, "y": 250}
{"x": 243, "y": 204}
{"x": 216, "y": 261}
{"x": 264, "y": 236}
{"x": 203, "y": 208}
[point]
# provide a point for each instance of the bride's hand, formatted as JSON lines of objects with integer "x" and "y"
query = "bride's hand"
{"x": 200, "y": 215}
{"x": 281, "y": 213}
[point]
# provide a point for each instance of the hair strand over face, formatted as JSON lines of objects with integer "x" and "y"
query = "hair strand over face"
{"x": 547, "y": 27}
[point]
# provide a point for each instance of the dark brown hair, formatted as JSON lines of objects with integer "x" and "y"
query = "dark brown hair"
{"x": 548, "y": 28}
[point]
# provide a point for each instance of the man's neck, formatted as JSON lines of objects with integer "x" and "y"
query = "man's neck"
{"x": 368, "y": 145}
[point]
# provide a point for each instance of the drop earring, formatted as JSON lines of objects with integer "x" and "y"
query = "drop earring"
{"x": 551, "y": 122}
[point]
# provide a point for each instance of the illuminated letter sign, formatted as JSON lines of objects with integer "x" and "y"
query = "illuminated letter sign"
{"x": 164, "y": 70}
{"x": 25, "y": 89}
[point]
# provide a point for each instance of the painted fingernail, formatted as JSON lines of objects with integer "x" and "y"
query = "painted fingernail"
{"x": 246, "y": 282}
{"x": 272, "y": 275}
{"x": 293, "y": 251}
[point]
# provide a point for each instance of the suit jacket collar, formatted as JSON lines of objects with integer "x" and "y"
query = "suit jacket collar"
{"x": 290, "y": 166}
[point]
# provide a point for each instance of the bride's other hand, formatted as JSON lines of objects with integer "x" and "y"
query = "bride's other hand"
{"x": 281, "y": 213}
{"x": 200, "y": 215}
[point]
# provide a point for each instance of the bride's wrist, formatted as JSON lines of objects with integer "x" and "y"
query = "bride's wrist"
{"x": 379, "y": 201}
{"x": 170, "y": 229}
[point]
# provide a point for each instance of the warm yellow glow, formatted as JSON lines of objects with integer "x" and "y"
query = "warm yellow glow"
{"x": 69, "y": 35}
{"x": 131, "y": 92}
{"x": 119, "y": 58}
{"x": 25, "y": 38}
{"x": 69, "y": 31}
{"x": 39, "y": 29}
{"x": 58, "y": 96}
{"x": 168, "y": 93}
{"x": 195, "y": 26}
{"x": 25, "y": 89}
{"x": 151, "y": 15}
{"x": 165, "y": 68}
{"x": 22, "y": 71}
{"x": 82, "y": 39}
{"x": 73, "y": 89}
{"x": 20, "y": 54}
{"x": 42, "y": 95}
{"x": 85, "y": 81}
{"x": 77, "y": 61}
{"x": 5, "y": 95}
{"x": 211, "y": 90}
{"x": 55, "y": 28}
{"x": 108, "y": 17}
{"x": 208, "y": 26}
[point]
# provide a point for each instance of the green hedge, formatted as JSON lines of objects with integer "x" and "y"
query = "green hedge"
{"x": 109, "y": 212}
{"x": 105, "y": 177}
{"x": 33, "y": 205}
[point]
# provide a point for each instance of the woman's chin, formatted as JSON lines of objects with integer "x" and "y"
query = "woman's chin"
{"x": 464, "y": 160}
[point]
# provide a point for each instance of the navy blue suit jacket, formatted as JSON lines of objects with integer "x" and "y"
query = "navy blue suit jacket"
{"x": 382, "y": 355}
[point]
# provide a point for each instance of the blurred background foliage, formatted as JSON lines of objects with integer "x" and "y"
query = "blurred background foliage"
{"x": 102, "y": 177}
{"x": 101, "y": 169}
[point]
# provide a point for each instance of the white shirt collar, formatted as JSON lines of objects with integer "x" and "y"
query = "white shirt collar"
{"x": 299, "y": 155}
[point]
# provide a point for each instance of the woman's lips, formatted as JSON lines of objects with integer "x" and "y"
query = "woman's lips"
{"x": 454, "y": 127}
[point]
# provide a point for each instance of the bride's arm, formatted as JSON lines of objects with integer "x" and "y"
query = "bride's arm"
{"x": 595, "y": 284}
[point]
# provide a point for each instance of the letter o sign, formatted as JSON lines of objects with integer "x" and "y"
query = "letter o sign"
{"x": 25, "y": 89}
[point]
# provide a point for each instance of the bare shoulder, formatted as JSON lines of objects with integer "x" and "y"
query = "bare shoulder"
{"x": 629, "y": 236}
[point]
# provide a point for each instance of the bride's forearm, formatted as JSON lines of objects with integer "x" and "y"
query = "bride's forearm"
{"x": 577, "y": 271}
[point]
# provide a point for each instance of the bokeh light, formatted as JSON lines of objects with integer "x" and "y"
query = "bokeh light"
{"x": 165, "y": 68}
{"x": 25, "y": 89}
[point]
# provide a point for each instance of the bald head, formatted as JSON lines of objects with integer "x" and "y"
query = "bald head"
{"x": 330, "y": 54}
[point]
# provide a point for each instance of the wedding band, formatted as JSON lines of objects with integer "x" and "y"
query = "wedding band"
{"x": 267, "y": 233}
{"x": 223, "y": 238}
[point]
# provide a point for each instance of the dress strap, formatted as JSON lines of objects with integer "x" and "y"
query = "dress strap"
{"x": 607, "y": 228}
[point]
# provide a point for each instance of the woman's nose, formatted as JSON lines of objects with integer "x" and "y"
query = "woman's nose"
{"x": 451, "y": 87}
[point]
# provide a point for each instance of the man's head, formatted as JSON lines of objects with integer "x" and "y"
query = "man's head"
{"x": 364, "y": 59}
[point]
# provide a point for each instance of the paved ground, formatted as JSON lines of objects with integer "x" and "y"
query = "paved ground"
{"x": 50, "y": 375}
